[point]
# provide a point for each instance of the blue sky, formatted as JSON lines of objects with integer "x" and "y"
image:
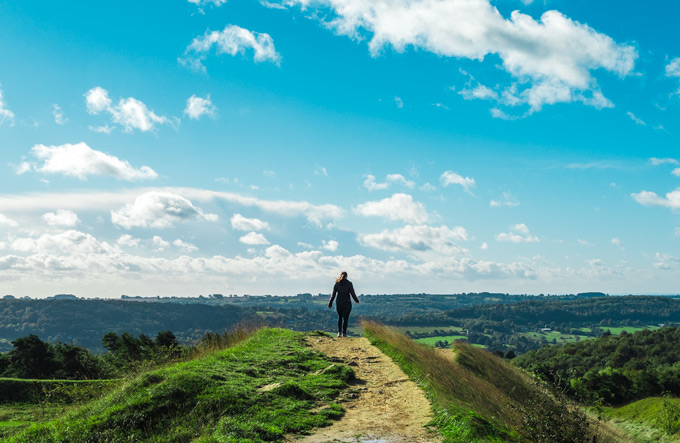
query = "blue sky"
{"x": 211, "y": 146}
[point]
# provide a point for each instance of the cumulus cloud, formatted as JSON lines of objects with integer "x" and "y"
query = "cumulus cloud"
{"x": 654, "y": 161}
{"x": 5, "y": 114}
{"x": 58, "y": 114}
{"x": 317, "y": 215}
{"x": 6, "y": 221}
{"x": 417, "y": 238}
{"x": 673, "y": 69}
{"x": 129, "y": 113}
{"x": 451, "y": 178}
{"x": 184, "y": 246}
{"x": 254, "y": 238}
{"x": 70, "y": 241}
{"x": 199, "y": 106}
{"x": 62, "y": 217}
{"x": 398, "y": 207}
{"x": 519, "y": 233}
{"x": 666, "y": 261}
{"x": 81, "y": 161}
{"x": 480, "y": 92}
{"x": 330, "y": 245}
{"x": 231, "y": 40}
{"x": 158, "y": 210}
{"x": 399, "y": 102}
{"x": 158, "y": 243}
{"x": 241, "y": 223}
{"x": 617, "y": 242}
{"x": 551, "y": 60}
{"x": 649, "y": 198}
{"x": 508, "y": 200}
{"x": 372, "y": 185}
{"x": 128, "y": 240}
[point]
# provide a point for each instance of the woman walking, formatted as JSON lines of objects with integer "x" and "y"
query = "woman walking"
{"x": 343, "y": 289}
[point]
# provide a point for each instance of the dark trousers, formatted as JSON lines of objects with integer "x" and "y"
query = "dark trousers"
{"x": 343, "y": 316}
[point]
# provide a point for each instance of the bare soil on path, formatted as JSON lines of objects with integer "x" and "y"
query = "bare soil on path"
{"x": 383, "y": 405}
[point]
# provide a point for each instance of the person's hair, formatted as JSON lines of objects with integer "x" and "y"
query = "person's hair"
{"x": 343, "y": 276}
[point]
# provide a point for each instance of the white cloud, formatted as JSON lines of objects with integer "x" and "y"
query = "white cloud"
{"x": 649, "y": 198}
{"x": 320, "y": 170}
{"x": 58, "y": 114}
{"x": 498, "y": 113}
{"x": 253, "y": 238}
{"x": 508, "y": 200}
{"x": 417, "y": 238}
{"x": 330, "y": 245}
{"x": 677, "y": 232}
{"x": 617, "y": 242}
{"x": 399, "y": 102}
{"x": 216, "y": 3}
{"x": 5, "y": 114}
{"x": 480, "y": 92}
{"x": 451, "y": 178}
{"x": 673, "y": 69}
{"x": 184, "y": 246}
{"x": 484, "y": 246}
{"x": 550, "y": 60}
{"x": 582, "y": 242}
{"x": 666, "y": 261}
{"x": 398, "y": 207}
{"x": 269, "y": 173}
{"x": 317, "y": 215}
{"x": 128, "y": 240}
{"x": 159, "y": 244}
{"x": 242, "y": 223}
{"x": 654, "y": 161}
{"x": 158, "y": 210}
{"x": 62, "y": 217}
{"x": 6, "y": 221}
{"x": 372, "y": 185}
{"x": 427, "y": 187}
{"x": 635, "y": 119}
{"x": 80, "y": 161}
{"x": 519, "y": 233}
{"x": 70, "y": 241}
{"x": 104, "y": 129}
{"x": 676, "y": 172}
{"x": 198, "y": 107}
{"x": 232, "y": 40}
{"x": 130, "y": 113}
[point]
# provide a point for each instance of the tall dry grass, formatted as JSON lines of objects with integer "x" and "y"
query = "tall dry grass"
{"x": 478, "y": 383}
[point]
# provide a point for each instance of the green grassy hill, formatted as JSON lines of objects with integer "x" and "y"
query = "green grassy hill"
{"x": 653, "y": 419}
{"x": 259, "y": 390}
{"x": 478, "y": 397}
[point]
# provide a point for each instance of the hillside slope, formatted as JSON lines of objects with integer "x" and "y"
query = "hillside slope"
{"x": 268, "y": 386}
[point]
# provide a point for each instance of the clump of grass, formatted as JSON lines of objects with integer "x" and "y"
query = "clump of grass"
{"x": 261, "y": 389}
{"x": 477, "y": 396}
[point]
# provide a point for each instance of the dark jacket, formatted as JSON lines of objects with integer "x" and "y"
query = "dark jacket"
{"x": 343, "y": 289}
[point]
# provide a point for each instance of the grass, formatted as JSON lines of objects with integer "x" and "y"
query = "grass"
{"x": 15, "y": 417}
{"x": 478, "y": 397}
{"x": 647, "y": 419}
{"x": 261, "y": 389}
{"x": 432, "y": 340}
{"x": 629, "y": 329}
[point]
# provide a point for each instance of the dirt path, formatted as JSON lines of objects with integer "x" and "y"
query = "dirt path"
{"x": 387, "y": 407}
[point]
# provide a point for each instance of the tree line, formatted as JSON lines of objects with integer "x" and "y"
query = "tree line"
{"x": 612, "y": 369}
